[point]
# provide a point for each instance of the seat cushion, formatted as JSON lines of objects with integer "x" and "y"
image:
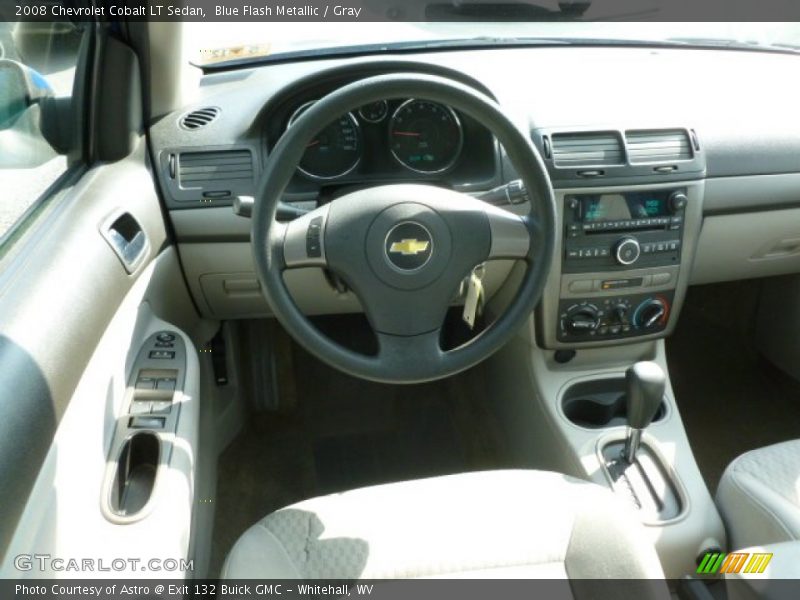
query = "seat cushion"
{"x": 759, "y": 496}
{"x": 486, "y": 524}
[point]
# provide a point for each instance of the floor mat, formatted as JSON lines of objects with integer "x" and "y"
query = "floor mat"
{"x": 423, "y": 445}
{"x": 345, "y": 433}
{"x": 730, "y": 398}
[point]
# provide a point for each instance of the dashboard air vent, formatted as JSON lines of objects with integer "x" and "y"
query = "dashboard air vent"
{"x": 593, "y": 149}
{"x": 209, "y": 169}
{"x": 199, "y": 118}
{"x": 665, "y": 145}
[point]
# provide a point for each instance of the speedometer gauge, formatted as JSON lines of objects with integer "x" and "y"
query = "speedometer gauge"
{"x": 334, "y": 151}
{"x": 425, "y": 137}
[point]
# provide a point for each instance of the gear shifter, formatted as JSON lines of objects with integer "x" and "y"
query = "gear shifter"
{"x": 645, "y": 382}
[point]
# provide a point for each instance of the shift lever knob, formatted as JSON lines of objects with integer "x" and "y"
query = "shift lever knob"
{"x": 645, "y": 382}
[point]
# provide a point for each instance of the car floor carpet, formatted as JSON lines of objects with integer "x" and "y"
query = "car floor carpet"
{"x": 731, "y": 399}
{"x": 343, "y": 433}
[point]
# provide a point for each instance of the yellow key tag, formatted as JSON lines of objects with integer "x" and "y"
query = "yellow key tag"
{"x": 473, "y": 303}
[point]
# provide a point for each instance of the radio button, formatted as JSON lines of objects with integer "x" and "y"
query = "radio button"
{"x": 581, "y": 286}
{"x": 571, "y": 253}
{"x": 661, "y": 278}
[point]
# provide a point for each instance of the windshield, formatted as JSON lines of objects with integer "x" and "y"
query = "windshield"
{"x": 210, "y": 43}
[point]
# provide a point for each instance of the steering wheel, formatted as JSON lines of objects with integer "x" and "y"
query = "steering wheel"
{"x": 403, "y": 249}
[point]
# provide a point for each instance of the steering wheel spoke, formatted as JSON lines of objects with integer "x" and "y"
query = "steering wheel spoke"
{"x": 412, "y": 352}
{"x": 512, "y": 235}
{"x": 304, "y": 240}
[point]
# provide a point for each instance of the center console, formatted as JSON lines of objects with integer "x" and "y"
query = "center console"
{"x": 623, "y": 261}
{"x": 625, "y": 246}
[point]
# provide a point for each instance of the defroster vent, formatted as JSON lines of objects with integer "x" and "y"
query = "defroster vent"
{"x": 199, "y": 118}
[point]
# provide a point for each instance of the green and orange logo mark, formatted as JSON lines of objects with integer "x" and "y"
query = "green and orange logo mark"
{"x": 735, "y": 562}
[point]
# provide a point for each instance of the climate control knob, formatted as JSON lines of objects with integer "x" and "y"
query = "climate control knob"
{"x": 650, "y": 314}
{"x": 581, "y": 319}
{"x": 620, "y": 312}
{"x": 627, "y": 251}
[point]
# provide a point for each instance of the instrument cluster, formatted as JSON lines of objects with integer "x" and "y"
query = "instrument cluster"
{"x": 420, "y": 136}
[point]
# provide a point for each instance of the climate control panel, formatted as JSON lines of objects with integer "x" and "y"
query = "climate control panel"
{"x": 613, "y": 317}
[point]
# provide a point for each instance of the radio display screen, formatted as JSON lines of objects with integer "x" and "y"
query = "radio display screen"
{"x": 622, "y": 207}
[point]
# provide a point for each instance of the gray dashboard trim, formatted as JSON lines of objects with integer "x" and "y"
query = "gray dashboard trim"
{"x": 749, "y": 193}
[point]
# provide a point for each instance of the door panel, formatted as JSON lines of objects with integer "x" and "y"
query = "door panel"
{"x": 56, "y": 300}
{"x": 64, "y": 280}
{"x": 67, "y": 513}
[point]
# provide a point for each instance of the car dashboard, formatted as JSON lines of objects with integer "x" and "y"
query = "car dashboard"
{"x": 663, "y": 177}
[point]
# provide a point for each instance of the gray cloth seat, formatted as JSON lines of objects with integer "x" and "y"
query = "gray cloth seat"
{"x": 491, "y": 524}
{"x": 759, "y": 496}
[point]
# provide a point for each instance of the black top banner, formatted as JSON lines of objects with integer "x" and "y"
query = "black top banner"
{"x": 399, "y": 10}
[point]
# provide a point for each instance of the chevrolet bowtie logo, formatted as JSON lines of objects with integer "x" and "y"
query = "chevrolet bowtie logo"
{"x": 410, "y": 247}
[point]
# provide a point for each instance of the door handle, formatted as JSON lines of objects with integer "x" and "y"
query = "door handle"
{"x": 126, "y": 238}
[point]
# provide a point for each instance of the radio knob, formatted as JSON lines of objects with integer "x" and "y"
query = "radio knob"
{"x": 627, "y": 251}
{"x": 650, "y": 313}
{"x": 582, "y": 319}
{"x": 677, "y": 202}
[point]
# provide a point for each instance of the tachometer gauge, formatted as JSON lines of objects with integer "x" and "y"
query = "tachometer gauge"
{"x": 334, "y": 151}
{"x": 425, "y": 137}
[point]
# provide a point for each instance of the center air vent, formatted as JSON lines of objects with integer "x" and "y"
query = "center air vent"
{"x": 665, "y": 145}
{"x": 593, "y": 149}
{"x": 199, "y": 118}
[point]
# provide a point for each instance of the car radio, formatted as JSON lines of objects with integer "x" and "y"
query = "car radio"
{"x": 623, "y": 230}
{"x": 620, "y": 263}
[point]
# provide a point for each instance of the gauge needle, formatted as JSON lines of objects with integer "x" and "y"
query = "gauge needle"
{"x": 314, "y": 143}
{"x": 407, "y": 133}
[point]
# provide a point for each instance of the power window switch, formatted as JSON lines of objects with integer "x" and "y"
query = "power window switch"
{"x": 138, "y": 407}
{"x": 162, "y": 354}
{"x": 161, "y": 407}
{"x": 166, "y": 384}
{"x": 145, "y": 383}
{"x": 147, "y": 422}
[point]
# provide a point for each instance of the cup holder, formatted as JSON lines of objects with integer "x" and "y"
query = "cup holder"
{"x": 135, "y": 474}
{"x": 599, "y": 403}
